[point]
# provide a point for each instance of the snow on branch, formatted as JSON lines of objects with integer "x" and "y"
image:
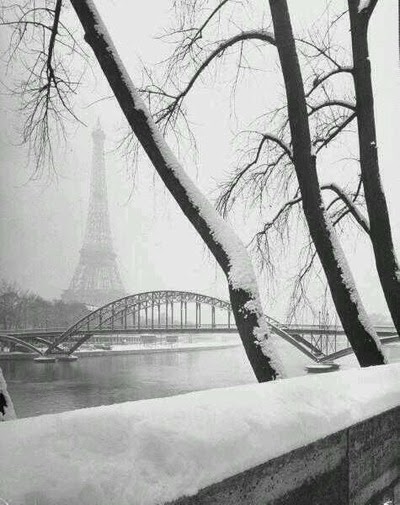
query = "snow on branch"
{"x": 222, "y": 241}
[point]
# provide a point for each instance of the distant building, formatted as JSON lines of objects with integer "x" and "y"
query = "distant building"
{"x": 96, "y": 280}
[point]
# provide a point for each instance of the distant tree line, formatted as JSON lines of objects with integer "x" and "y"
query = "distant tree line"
{"x": 23, "y": 309}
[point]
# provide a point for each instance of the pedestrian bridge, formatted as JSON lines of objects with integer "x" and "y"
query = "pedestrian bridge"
{"x": 161, "y": 312}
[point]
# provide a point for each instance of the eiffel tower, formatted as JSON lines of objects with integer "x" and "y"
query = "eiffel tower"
{"x": 96, "y": 280}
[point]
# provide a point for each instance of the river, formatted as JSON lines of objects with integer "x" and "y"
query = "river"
{"x": 38, "y": 388}
{"x": 47, "y": 388}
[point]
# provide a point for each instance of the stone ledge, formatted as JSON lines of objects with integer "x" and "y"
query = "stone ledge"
{"x": 356, "y": 466}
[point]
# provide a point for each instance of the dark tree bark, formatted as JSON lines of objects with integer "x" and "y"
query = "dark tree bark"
{"x": 247, "y": 319}
{"x": 7, "y": 411}
{"x": 380, "y": 229}
{"x": 362, "y": 337}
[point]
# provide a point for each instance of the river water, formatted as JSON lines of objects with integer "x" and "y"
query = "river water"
{"x": 44, "y": 388}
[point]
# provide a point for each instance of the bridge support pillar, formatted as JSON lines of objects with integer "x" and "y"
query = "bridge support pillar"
{"x": 181, "y": 314}
{"x": 152, "y": 311}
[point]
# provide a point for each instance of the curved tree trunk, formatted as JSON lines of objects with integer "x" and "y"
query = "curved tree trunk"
{"x": 225, "y": 246}
{"x": 380, "y": 229}
{"x": 360, "y": 333}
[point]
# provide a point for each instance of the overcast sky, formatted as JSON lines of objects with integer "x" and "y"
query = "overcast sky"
{"x": 42, "y": 222}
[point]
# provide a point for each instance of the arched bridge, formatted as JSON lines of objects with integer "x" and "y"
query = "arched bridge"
{"x": 37, "y": 344}
{"x": 177, "y": 312}
{"x": 162, "y": 311}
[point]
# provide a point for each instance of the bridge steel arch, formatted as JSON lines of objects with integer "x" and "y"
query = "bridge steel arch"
{"x": 142, "y": 311}
{"x": 22, "y": 343}
{"x": 349, "y": 350}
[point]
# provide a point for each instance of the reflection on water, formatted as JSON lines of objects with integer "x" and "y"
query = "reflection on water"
{"x": 55, "y": 387}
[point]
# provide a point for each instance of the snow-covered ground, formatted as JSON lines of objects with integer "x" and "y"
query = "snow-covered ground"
{"x": 392, "y": 353}
{"x": 152, "y": 451}
{"x": 162, "y": 346}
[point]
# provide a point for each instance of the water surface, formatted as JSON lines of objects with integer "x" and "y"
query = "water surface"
{"x": 44, "y": 388}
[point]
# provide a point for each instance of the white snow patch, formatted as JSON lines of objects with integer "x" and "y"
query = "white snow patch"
{"x": 241, "y": 272}
{"x": 397, "y": 263}
{"x": 364, "y": 4}
{"x": 350, "y": 284}
{"x": 9, "y": 412}
{"x": 153, "y": 451}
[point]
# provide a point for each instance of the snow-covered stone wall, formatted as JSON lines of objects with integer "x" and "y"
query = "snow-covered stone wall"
{"x": 249, "y": 444}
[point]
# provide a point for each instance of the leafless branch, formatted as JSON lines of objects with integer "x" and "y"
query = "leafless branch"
{"x": 170, "y": 112}
{"x": 45, "y": 47}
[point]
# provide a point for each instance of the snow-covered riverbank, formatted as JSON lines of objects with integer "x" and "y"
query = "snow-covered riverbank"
{"x": 153, "y": 451}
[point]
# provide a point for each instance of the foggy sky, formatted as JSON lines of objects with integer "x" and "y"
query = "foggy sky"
{"x": 42, "y": 222}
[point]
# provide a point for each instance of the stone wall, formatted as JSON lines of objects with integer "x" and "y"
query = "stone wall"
{"x": 356, "y": 466}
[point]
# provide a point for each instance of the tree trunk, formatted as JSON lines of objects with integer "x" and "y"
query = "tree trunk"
{"x": 7, "y": 411}
{"x": 380, "y": 229}
{"x": 216, "y": 234}
{"x": 360, "y": 333}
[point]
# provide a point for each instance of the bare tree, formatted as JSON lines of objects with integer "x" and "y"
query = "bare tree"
{"x": 220, "y": 239}
{"x": 225, "y": 246}
{"x": 52, "y": 63}
{"x": 350, "y": 311}
{"x": 291, "y": 146}
{"x": 360, "y": 13}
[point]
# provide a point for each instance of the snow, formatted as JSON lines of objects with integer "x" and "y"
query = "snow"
{"x": 241, "y": 273}
{"x": 153, "y": 451}
{"x": 158, "y": 346}
{"x": 397, "y": 272}
{"x": 294, "y": 361}
{"x": 348, "y": 280}
{"x": 364, "y": 4}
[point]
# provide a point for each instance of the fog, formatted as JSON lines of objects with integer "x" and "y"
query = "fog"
{"x": 43, "y": 221}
